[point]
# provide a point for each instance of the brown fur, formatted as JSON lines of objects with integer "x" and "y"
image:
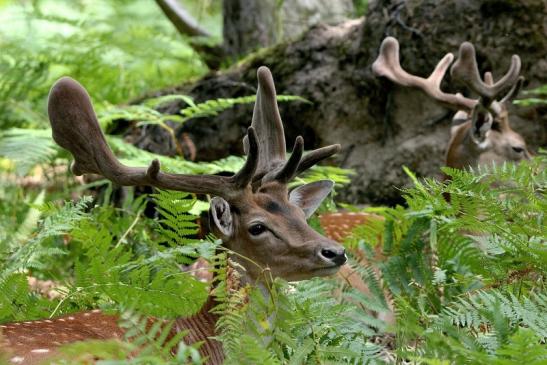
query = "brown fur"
{"x": 497, "y": 147}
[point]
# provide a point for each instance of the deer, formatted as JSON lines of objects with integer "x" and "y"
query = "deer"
{"x": 260, "y": 222}
{"x": 480, "y": 132}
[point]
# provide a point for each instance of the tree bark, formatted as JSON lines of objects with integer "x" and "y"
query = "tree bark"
{"x": 249, "y": 25}
{"x": 253, "y": 24}
{"x": 381, "y": 126}
{"x": 181, "y": 19}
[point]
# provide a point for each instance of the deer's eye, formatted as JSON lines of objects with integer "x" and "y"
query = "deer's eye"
{"x": 518, "y": 149}
{"x": 257, "y": 229}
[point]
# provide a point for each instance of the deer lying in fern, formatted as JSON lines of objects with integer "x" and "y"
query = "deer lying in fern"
{"x": 253, "y": 212}
{"x": 480, "y": 133}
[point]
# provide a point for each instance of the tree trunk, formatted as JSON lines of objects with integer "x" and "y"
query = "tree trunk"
{"x": 381, "y": 126}
{"x": 249, "y": 25}
{"x": 252, "y": 24}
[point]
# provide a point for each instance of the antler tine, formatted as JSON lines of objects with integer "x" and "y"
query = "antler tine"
{"x": 271, "y": 138}
{"x": 488, "y": 78}
{"x": 315, "y": 156}
{"x": 290, "y": 168}
{"x": 267, "y": 123}
{"x": 514, "y": 90}
{"x": 388, "y": 65}
{"x": 245, "y": 175}
{"x": 302, "y": 163}
{"x": 465, "y": 69}
{"x": 75, "y": 128}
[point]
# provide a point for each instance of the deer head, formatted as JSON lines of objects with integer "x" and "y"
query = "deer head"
{"x": 253, "y": 211}
{"x": 481, "y": 132}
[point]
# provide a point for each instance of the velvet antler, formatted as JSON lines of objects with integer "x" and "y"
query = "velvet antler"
{"x": 272, "y": 164}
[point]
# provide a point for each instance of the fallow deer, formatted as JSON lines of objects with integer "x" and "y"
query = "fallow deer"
{"x": 480, "y": 132}
{"x": 252, "y": 211}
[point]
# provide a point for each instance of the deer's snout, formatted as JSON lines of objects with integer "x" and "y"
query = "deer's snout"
{"x": 334, "y": 254}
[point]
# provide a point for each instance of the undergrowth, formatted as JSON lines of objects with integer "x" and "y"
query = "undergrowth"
{"x": 466, "y": 278}
{"x": 118, "y": 49}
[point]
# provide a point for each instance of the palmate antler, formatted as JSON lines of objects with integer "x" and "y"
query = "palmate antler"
{"x": 75, "y": 128}
{"x": 272, "y": 163}
{"x": 465, "y": 69}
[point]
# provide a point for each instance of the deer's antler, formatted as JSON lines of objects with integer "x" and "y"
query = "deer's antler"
{"x": 388, "y": 65}
{"x": 75, "y": 128}
{"x": 465, "y": 69}
{"x": 272, "y": 164}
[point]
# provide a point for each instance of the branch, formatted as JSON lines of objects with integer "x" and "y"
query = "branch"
{"x": 181, "y": 19}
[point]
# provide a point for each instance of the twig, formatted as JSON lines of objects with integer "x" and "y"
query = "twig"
{"x": 181, "y": 19}
{"x": 129, "y": 229}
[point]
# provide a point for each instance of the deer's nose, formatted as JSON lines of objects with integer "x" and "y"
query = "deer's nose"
{"x": 337, "y": 256}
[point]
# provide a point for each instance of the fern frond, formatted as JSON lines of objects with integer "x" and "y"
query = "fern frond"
{"x": 27, "y": 147}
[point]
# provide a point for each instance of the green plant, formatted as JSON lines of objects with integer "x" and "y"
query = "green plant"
{"x": 99, "y": 43}
{"x": 467, "y": 275}
{"x": 466, "y": 278}
{"x": 535, "y": 96}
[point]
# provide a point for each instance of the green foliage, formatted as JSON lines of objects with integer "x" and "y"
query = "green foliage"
{"x": 466, "y": 278}
{"x": 467, "y": 275}
{"x": 27, "y": 148}
{"x": 213, "y": 107}
{"x": 21, "y": 252}
{"x": 100, "y": 43}
{"x": 22, "y": 249}
{"x": 361, "y": 7}
{"x": 176, "y": 222}
{"x": 113, "y": 258}
{"x": 537, "y": 96}
{"x": 292, "y": 324}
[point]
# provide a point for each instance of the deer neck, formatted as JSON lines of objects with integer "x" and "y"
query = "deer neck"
{"x": 201, "y": 327}
{"x": 462, "y": 151}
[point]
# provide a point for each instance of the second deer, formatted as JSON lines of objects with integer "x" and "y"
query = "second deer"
{"x": 481, "y": 133}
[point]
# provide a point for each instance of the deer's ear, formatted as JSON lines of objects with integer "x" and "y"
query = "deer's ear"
{"x": 309, "y": 196}
{"x": 220, "y": 217}
{"x": 481, "y": 123}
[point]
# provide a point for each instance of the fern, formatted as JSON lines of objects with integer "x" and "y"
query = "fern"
{"x": 150, "y": 282}
{"x": 154, "y": 342}
{"x": 25, "y": 250}
{"x": 122, "y": 58}
{"x": 27, "y": 148}
{"x": 17, "y": 302}
{"x": 57, "y": 221}
{"x": 292, "y": 324}
{"x": 214, "y": 107}
{"x": 535, "y": 96}
{"x": 499, "y": 313}
{"x": 367, "y": 303}
{"x": 176, "y": 223}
